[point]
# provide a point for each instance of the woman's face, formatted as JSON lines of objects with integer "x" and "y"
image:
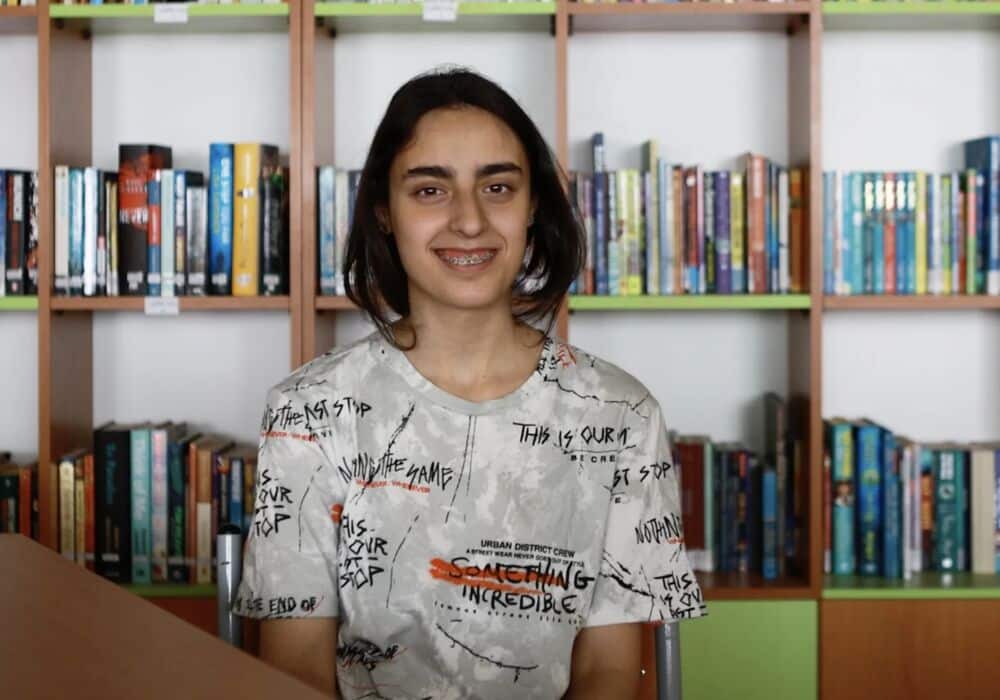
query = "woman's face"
{"x": 459, "y": 208}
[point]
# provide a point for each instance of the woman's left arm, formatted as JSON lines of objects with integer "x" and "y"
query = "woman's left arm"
{"x": 606, "y": 662}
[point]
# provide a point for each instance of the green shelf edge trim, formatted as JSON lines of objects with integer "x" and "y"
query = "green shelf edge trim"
{"x": 140, "y": 11}
{"x": 171, "y": 590}
{"x": 18, "y": 303}
{"x": 691, "y": 302}
{"x": 357, "y": 9}
{"x": 911, "y": 8}
{"x": 933, "y": 586}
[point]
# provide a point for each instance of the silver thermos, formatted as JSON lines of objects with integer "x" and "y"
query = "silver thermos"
{"x": 668, "y": 662}
{"x": 228, "y": 569}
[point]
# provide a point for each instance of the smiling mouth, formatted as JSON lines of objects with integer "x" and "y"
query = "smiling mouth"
{"x": 466, "y": 258}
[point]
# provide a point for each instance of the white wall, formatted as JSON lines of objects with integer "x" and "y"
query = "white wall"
{"x": 19, "y": 330}
{"x": 210, "y": 369}
{"x": 898, "y": 100}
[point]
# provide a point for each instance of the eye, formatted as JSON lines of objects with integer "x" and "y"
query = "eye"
{"x": 499, "y": 188}
{"x": 427, "y": 192}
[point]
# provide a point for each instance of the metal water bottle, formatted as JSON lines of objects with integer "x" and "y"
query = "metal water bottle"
{"x": 228, "y": 570}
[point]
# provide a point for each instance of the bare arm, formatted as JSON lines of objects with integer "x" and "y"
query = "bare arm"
{"x": 606, "y": 662}
{"x": 303, "y": 647}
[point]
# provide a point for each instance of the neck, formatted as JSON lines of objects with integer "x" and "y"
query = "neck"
{"x": 477, "y": 354}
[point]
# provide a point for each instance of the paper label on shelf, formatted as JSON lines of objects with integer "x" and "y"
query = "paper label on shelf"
{"x": 162, "y": 306}
{"x": 170, "y": 13}
{"x": 440, "y": 10}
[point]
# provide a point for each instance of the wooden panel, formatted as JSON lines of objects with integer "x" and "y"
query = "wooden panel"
{"x": 65, "y": 369}
{"x": 909, "y": 649}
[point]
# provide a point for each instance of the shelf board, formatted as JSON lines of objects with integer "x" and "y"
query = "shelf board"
{"x": 172, "y": 590}
{"x": 691, "y": 302}
{"x": 912, "y": 7}
{"x": 664, "y": 16}
{"x": 733, "y": 586}
{"x": 923, "y": 586}
{"x": 115, "y": 11}
{"x": 209, "y": 303}
{"x": 943, "y": 15}
{"x": 364, "y": 9}
{"x": 359, "y": 17}
{"x": 20, "y": 11}
{"x": 207, "y": 18}
{"x": 916, "y": 302}
{"x": 18, "y": 303}
{"x": 325, "y": 303}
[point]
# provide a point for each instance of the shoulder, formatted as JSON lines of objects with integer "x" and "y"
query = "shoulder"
{"x": 593, "y": 378}
{"x": 336, "y": 372}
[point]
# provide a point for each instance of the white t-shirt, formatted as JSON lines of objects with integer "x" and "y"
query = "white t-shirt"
{"x": 463, "y": 544}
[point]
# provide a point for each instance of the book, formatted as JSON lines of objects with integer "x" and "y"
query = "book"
{"x": 136, "y": 164}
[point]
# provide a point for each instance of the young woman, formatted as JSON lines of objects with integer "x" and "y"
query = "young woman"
{"x": 459, "y": 505}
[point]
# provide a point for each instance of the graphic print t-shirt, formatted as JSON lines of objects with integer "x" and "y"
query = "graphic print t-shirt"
{"x": 463, "y": 545}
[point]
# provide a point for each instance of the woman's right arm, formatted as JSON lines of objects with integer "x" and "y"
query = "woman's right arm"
{"x": 303, "y": 647}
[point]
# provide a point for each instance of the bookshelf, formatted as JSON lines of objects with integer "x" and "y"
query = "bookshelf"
{"x": 319, "y": 41}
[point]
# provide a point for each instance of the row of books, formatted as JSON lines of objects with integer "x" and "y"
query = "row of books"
{"x": 894, "y": 507}
{"x": 145, "y": 505}
{"x": 337, "y": 189}
{"x": 146, "y": 2}
{"x": 915, "y": 232}
{"x": 674, "y": 229}
{"x": 743, "y": 512}
{"x": 18, "y": 232}
{"x": 17, "y": 3}
{"x": 150, "y": 230}
{"x": 18, "y": 497}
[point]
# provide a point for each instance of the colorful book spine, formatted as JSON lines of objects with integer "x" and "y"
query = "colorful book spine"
{"x": 154, "y": 278}
{"x": 842, "y": 467}
{"x": 76, "y": 231}
{"x": 869, "y": 498}
{"x": 142, "y": 540}
{"x": 177, "y": 569}
{"x": 180, "y": 232}
{"x": 196, "y": 223}
{"x": 769, "y": 517}
{"x": 61, "y": 230}
{"x": 220, "y": 218}
{"x": 665, "y": 227}
{"x": 327, "y": 224}
{"x": 167, "y": 233}
{"x": 983, "y": 155}
{"x": 920, "y": 232}
{"x": 737, "y": 243}
{"x": 343, "y": 202}
{"x": 723, "y": 233}
{"x": 892, "y": 516}
{"x": 946, "y": 511}
{"x": 90, "y": 211}
{"x": 158, "y": 456}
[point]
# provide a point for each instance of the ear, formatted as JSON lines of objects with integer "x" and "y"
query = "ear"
{"x": 382, "y": 216}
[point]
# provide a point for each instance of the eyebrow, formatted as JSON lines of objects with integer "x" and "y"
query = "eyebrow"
{"x": 444, "y": 173}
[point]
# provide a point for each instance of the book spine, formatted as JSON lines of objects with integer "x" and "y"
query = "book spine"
{"x": 889, "y": 233}
{"x": 154, "y": 278}
{"x": 79, "y": 513}
{"x": 177, "y": 571}
{"x": 842, "y": 464}
{"x": 112, "y": 226}
{"x": 827, "y": 511}
{"x": 77, "y": 211}
{"x": 723, "y": 232}
{"x": 946, "y": 512}
{"x": 737, "y": 223}
{"x": 31, "y": 233}
{"x": 13, "y": 281}
{"x": 61, "y": 230}
{"x": 203, "y": 517}
{"x": 67, "y": 518}
{"x": 4, "y": 216}
{"x": 246, "y": 215}
{"x": 957, "y": 234}
{"x": 274, "y": 234}
{"x": 90, "y": 513}
{"x": 707, "y": 262}
{"x": 221, "y": 481}
{"x": 197, "y": 243}
{"x": 797, "y": 228}
{"x": 920, "y": 232}
{"x": 325, "y": 219}
{"x": 141, "y": 521}
{"x": 769, "y": 517}
{"x": 249, "y": 492}
{"x": 892, "y": 553}
{"x": 783, "y": 262}
{"x": 167, "y": 233}
{"x": 236, "y": 492}
{"x": 756, "y": 234}
{"x": 158, "y": 455}
{"x": 101, "y": 221}
{"x": 180, "y": 232}
{"x": 342, "y": 198}
{"x": 962, "y": 501}
{"x": 220, "y": 218}
{"x": 869, "y": 508}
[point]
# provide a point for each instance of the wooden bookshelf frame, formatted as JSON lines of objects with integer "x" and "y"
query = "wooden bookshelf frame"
{"x": 65, "y": 342}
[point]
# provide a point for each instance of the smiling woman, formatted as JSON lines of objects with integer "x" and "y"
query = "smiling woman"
{"x": 505, "y": 510}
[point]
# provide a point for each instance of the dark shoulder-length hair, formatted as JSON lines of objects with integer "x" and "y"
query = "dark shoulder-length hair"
{"x": 374, "y": 277}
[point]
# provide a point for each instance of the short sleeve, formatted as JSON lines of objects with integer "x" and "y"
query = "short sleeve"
{"x": 645, "y": 575}
{"x": 290, "y": 555}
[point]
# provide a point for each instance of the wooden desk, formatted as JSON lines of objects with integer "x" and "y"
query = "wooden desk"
{"x": 67, "y": 633}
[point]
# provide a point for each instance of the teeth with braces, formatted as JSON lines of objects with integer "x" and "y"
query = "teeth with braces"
{"x": 468, "y": 259}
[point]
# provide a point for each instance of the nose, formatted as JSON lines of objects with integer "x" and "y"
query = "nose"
{"x": 467, "y": 216}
